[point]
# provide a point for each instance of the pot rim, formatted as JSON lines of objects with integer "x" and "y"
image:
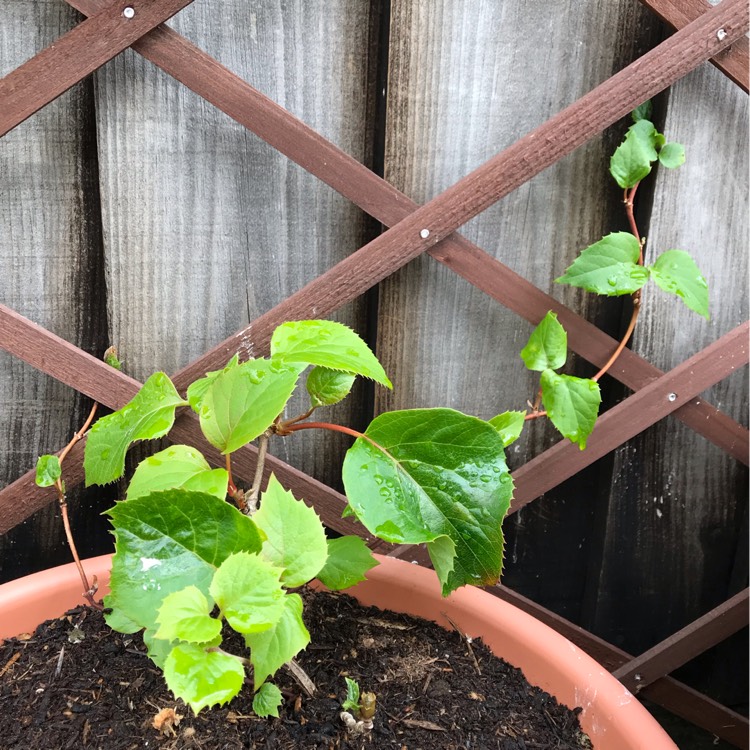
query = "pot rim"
{"x": 611, "y": 715}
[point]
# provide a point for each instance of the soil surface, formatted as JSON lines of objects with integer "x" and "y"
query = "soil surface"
{"x": 435, "y": 691}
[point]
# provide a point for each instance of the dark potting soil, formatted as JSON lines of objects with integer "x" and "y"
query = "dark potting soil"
{"x": 435, "y": 691}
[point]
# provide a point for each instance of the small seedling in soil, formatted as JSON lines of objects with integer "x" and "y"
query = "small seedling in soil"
{"x": 359, "y": 709}
{"x": 189, "y": 565}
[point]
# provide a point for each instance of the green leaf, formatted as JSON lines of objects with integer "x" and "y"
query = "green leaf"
{"x": 672, "y": 155}
{"x": 48, "y": 470}
{"x": 168, "y": 540}
{"x": 510, "y": 425}
{"x": 547, "y": 346}
{"x": 632, "y": 160}
{"x": 186, "y": 616}
{"x": 352, "y": 695}
{"x": 197, "y": 390}
{"x": 158, "y": 650}
{"x": 149, "y": 415}
{"x": 608, "y": 267}
{"x": 349, "y": 558}
{"x": 436, "y": 473}
{"x": 676, "y": 272}
{"x": 203, "y": 678}
{"x": 178, "y": 466}
{"x": 267, "y": 700}
{"x": 572, "y": 404}
{"x": 248, "y": 591}
{"x": 119, "y": 621}
{"x": 243, "y": 401}
{"x": 274, "y": 647}
{"x": 642, "y": 111}
{"x": 111, "y": 359}
{"x": 443, "y": 555}
{"x": 327, "y": 387}
{"x": 295, "y": 537}
{"x": 328, "y": 344}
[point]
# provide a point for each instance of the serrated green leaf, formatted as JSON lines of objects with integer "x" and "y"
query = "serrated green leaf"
{"x": 248, "y": 590}
{"x": 547, "y": 346}
{"x": 672, "y": 155}
{"x": 328, "y": 344}
{"x": 158, "y": 650}
{"x": 203, "y": 678}
{"x": 118, "y": 620}
{"x": 272, "y": 648}
{"x": 166, "y": 541}
{"x": 677, "y": 273}
{"x": 443, "y": 555}
{"x": 243, "y": 401}
{"x": 436, "y": 473}
{"x": 295, "y": 537}
{"x": 185, "y": 615}
{"x": 608, "y": 267}
{"x": 267, "y": 700}
{"x": 348, "y": 512}
{"x": 197, "y": 390}
{"x": 632, "y": 160}
{"x": 149, "y": 415}
{"x": 48, "y": 470}
{"x": 572, "y": 405}
{"x": 510, "y": 425}
{"x": 327, "y": 387}
{"x": 352, "y": 695}
{"x": 349, "y": 558}
{"x": 642, "y": 111}
{"x": 179, "y": 466}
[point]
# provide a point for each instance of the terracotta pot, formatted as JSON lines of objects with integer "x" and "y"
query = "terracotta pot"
{"x": 611, "y": 716}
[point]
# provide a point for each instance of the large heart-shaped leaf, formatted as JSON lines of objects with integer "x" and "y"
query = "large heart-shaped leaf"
{"x": 167, "y": 541}
{"x": 425, "y": 475}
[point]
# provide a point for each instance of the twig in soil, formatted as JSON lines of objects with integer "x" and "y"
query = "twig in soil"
{"x": 301, "y": 677}
{"x": 8, "y": 664}
{"x": 58, "y": 668}
{"x": 423, "y": 725}
{"x": 467, "y": 641}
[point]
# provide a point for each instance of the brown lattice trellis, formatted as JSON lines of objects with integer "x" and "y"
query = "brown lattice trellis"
{"x": 707, "y": 34}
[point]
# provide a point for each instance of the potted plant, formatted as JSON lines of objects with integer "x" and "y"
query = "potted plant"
{"x": 189, "y": 565}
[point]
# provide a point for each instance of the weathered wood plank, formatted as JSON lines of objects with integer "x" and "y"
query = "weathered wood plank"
{"x": 673, "y": 525}
{"x": 50, "y": 256}
{"x": 205, "y": 226}
{"x": 466, "y": 79}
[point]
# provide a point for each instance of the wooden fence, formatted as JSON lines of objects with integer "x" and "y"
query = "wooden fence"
{"x": 134, "y": 213}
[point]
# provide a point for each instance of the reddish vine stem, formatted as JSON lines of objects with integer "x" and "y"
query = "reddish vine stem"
{"x": 629, "y": 200}
{"x": 88, "y": 590}
{"x": 333, "y": 428}
{"x": 237, "y": 496}
{"x": 534, "y": 415}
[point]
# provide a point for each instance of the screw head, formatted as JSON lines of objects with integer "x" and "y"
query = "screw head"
{"x": 129, "y": 12}
{"x": 672, "y": 397}
{"x": 424, "y": 234}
